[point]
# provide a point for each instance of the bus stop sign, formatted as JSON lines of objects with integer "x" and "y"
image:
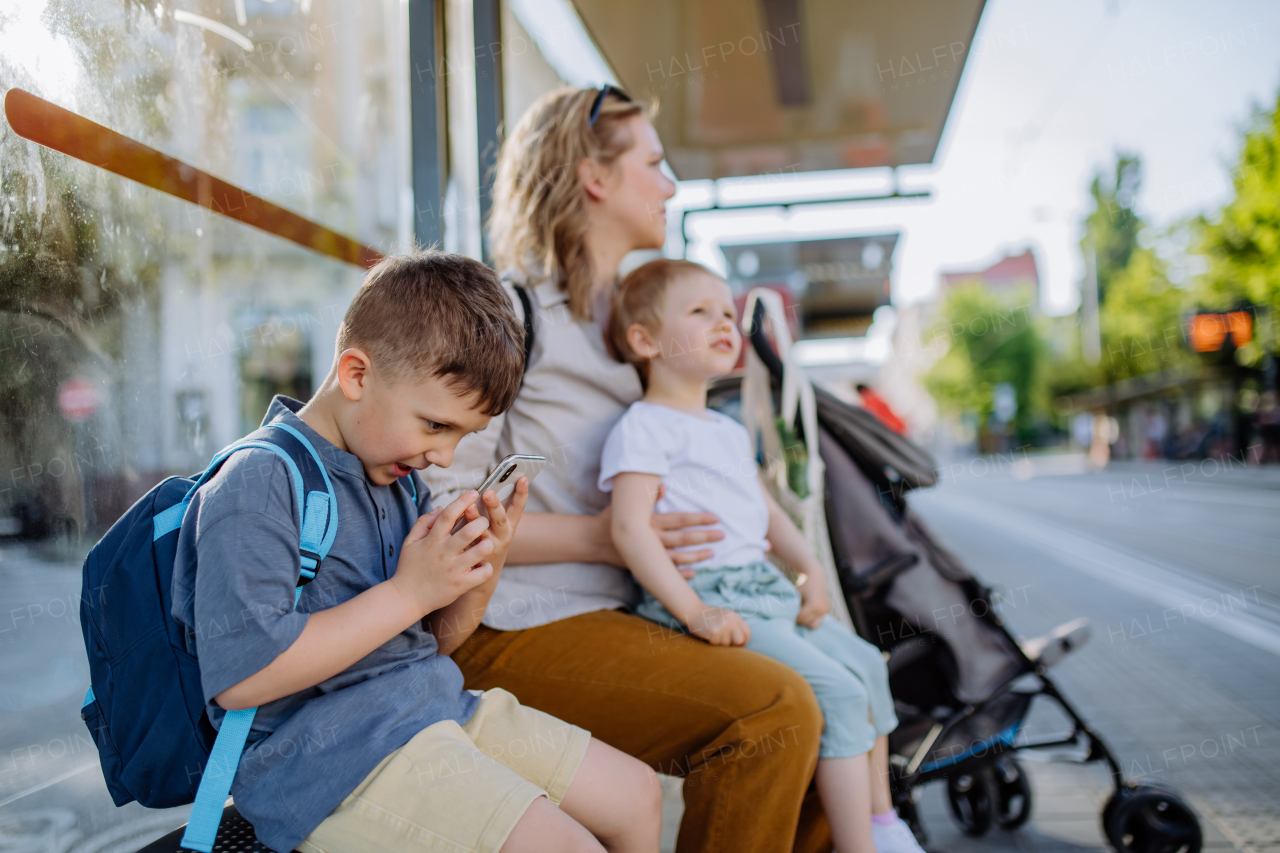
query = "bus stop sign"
{"x": 78, "y": 399}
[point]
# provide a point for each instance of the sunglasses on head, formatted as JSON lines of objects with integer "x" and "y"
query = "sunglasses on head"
{"x": 605, "y": 91}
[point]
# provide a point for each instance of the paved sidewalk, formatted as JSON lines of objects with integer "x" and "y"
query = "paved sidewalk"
{"x": 1067, "y": 801}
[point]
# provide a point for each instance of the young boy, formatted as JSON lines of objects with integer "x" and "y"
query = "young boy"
{"x": 675, "y": 321}
{"x": 364, "y": 738}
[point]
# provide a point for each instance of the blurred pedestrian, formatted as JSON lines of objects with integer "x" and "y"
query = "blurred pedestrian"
{"x": 1157, "y": 429}
{"x": 1267, "y": 420}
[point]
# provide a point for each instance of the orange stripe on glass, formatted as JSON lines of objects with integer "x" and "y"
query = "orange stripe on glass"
{"x": 52, "y": 126}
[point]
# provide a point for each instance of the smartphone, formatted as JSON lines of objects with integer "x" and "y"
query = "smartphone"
{"x": 503, "y": 478}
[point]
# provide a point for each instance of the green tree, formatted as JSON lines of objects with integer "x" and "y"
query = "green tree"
{"x": 1139, "y": 308}
{"x": 1112, "y": 228}
{"x": 1141, "y": 320}
{"x": 990, "y": 339}
{"x": 1242, "y": 244}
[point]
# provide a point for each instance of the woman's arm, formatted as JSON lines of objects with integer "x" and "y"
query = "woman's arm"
{"x": 642, "y": 548}
{"x": 545, "y": 537}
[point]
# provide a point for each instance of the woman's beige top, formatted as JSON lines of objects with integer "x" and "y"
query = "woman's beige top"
{"x": 573, "y": 394}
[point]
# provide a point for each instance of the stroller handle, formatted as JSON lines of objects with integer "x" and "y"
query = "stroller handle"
{"x": 760, "y": 343}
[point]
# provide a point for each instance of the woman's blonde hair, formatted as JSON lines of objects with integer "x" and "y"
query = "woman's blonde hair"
{"x": 539, "y": 214}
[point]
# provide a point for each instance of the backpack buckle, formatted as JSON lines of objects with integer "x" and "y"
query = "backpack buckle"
{"x": 308, "y": 572}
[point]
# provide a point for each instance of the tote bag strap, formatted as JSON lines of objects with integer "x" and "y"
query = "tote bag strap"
{"x": 808, "y": 512}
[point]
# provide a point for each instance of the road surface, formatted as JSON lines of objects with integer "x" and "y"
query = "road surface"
{"x": 1177, "y": 567}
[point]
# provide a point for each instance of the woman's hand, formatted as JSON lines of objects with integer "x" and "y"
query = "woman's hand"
{"x": 814, "y": 602}
{"x": 678, "y": 532}
{"x": 718, "y": 626}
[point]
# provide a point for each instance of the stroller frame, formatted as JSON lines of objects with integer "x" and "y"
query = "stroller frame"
{"x": 908, "y": 772}
{"x": 1137, "y": 818}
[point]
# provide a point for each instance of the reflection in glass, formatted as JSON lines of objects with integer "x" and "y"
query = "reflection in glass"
{"x": 139, "y": 333}
{"x": 174, "y": 314}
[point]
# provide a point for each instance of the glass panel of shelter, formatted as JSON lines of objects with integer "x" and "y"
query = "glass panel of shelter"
{"x": 138, "y": 332}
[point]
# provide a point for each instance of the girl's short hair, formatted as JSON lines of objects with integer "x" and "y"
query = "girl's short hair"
{"x": 640, "y": 299}
{"x": 432, "y": 314}
{"x": 539, "y": 214}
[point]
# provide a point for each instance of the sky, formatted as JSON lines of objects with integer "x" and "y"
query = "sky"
{"x": 1049, "y": 94}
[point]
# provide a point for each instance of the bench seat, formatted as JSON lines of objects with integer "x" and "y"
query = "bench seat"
{"x": 235, "y": 835}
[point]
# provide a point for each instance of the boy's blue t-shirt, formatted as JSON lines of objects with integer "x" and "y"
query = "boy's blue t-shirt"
{"x": 309, "y": 750}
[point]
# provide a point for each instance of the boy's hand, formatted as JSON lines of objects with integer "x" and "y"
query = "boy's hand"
{"x": 814, "y": 602}
{"x": 719, "y": 627}
{"x": 437, "y": 567}
{"x": 503, "y": 521}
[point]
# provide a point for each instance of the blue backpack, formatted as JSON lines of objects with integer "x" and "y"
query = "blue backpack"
{"x": 145, "y": 708}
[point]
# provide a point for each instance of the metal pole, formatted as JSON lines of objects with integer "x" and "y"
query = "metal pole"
{"x": 427, "y": 117}
{"x": 487, "y": 29}
{"x": 1090, "y": 326}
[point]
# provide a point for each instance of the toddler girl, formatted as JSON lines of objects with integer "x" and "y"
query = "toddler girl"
{"x": 676, "y": 321}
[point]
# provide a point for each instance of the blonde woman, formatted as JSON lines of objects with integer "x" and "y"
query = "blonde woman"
{"x": 578, "y": 186}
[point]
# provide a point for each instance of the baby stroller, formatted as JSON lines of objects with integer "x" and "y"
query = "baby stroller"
{"x": 962, "y": 684}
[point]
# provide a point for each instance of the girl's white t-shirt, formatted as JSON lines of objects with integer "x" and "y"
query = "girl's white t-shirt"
{"x": 706, "y": 464}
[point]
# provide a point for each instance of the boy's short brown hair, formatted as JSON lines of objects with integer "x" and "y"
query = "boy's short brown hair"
{"x": 432, "y": 314}
{"x": 639, "y": 299}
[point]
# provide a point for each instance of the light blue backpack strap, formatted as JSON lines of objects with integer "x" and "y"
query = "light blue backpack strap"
{"x": 171, "y": 518}
{"x": 318, "y": 526}
{"x": 215, "y": 783}
{"x": 331, "y": 531}
{"x": 168, "y": 520}
{"x": 312, "y": 532}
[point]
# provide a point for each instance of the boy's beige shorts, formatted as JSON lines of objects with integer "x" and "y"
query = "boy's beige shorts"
{"x": 457, "y": 788}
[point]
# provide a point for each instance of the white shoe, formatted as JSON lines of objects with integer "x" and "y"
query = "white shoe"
{"x": 895, "y": 838}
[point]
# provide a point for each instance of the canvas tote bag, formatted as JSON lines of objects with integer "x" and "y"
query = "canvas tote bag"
{"x": 801, "y": 494}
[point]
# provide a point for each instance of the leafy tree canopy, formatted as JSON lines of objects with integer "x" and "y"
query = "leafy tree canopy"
{"x": 992, "y": 338}
{"x": 1141, "y": 320}
{"x": 1139, "y": 309}
{"x": 1111, "y": 230}
{"x": 1242, "y": 245}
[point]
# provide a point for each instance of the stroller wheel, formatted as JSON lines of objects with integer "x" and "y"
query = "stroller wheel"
{"x": 1013, "y": 793}
{"x": 970, "y": 795}
{"x": 1149, "y": 818}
